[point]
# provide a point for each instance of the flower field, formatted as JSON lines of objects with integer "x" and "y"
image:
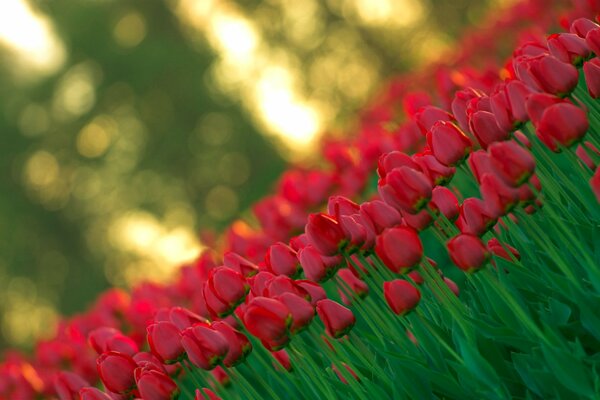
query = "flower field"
{"x": 450, "y": 249}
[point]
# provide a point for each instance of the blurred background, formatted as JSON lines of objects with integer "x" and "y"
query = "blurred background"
{"x": 127, "y": 127}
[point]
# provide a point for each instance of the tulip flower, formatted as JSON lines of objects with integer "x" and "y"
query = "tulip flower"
{"x": 499, "y": 198}
{"x": 155, "y": 385}
{"x": 392, "y": 160}
{"x": 427, "y": 116}
{"x": 351, "y": 284}
{"x": 164, "y": 339}
{"x": 239, "y": 345}
{"x": 405, "y": 189}
{"x": 502, "y": 250}
{"x": 315, "y": 290}
{"x": 480, "y": 164}
{"x": 592, "y": 39}
{"x": 581, "y": 26}
{"x": 513, "y": 163}
{"x": 459, "y": 106}
{"x": 438, "y": 173}
{"x": 444, "y": 200}
{"x": 418, "y": 221}
{"x": 110, "y": 339}
{"x": 468, "y": 252}
{"x": 317, "y": 267}
{"x": 116, "y": 371}
{"x": 452, "y": 286}
{"x": 324, "y": 234}
{"x": 92, "y": 393}
{"x": 547, "y": 74}
{"x": 224, "y": 290}
{"x": 284, "y": 284}
{"x": 283, "y": 359}
{"x": 401, "y": 296}
{"x": 205, "y": 347}
{"x": 568, "y": 48}
{"x": 484, "y": 126}
{"x": 183, "y": 318}
{"x": 475, "y": 218}
{"x": 338, "y": 320}
{"x": 380, "y": 214}
{"x": 281, "y": 259}
{"x": 562, "y": 124}
{"x": 67, "y": 385}
{"x": 591, "y": 71}
{"x": 448, "y": 143}
{"x": 301, "y": 310}
{"x": 239, "y": 264}
{"x": 400, "y": 249}
{"x": 340, "y": 205}
{"x": 269, "y": 320}
{"x": 507, "y": 103}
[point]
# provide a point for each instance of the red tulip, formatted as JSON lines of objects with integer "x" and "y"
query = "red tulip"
{"x": 399, "y": 248}
{"x": 513, "y": 163}
{"x": 317, "y": 267}
{"x": 315, "y": 290}
{"x": 444, "y": 200}
{"x": 502, "y": 250}
{"x": 340, "y": 205}
{"x": 562, "y": 124}
{"x": 418, "y": 222}
{"x": 547, "y": 74}
{"x": 581, "y": 26}
{"x": 283, "y": 358}
{"x": 568, "y": 48}
{"x": 538, "y": 103}
{"x": 380, "y": 214}
{"x": 239, "y": 345}
{"x": 355, "y": 232}
{"x": 592, "y": 39}
{"x": 452, "y": 286}
{"x": 224, "y": 290}
{"x": 284, "y": 284}
{"x": 91, "y": 393}
{"x": 110, "y": 339}
{"x": 507, "y": 102}
{"x": 448, "y": 143}
{"x": 301, "y": 310}
{"x": 338, "y": 320}
{"x": 480, "y": 164}
{"x": 484, "y": 126}
{"x": 206, "y": 394}
{"x": 405, "y": 189}
{"x": 240, "y": 264}
{"x": 392, "y": 160}
{"x": 438, "y": 173}
{"x": 205, "y": 347}
{"x": 475, "y": 218}
{"x": 351, "y": 284}
{"x": 164, "y": 339}
{"x": 498, "y": 197}
{"x": 116, "y": 371}
{"x": 183, "y": 318}
{"x": 427, "y": 116}
{"x": 401, "y": 296}
{"x": 591, "y": 71}
{"x": 155, "y": 385}
{"x": 269, "y": 320}
{"x": 67, "y": 385}
{"x": 281, "y": 259}
{"x": 325, "y": 234}
{"x": 468, "y": 252}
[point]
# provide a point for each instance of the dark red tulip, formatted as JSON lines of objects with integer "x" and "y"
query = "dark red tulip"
{"x": 480, "y": 164}
{"x": 92, "y": 393}
{"x": 547, "y": 74}
{"x": 351, "y": 284}
{"x": 562, "y": 124}
{"x": 499, "y": 198}
{"x": 317, "y": 267}
{"x": 341, "y": 376}
{"x": 116, "y": 371}
{"x": 400, "y": 249}
{"x": 67, "y": 385}
{"x": 568, "y": 48}
{"x": 459, "y": 106}
{"x": 183, "y": 318}
{"x": 538, "y": 103}
{"x": 508, "y": 104}
{"x": 283, "y": 358}
{"x": 592, "y": 39}
{"x": 355, "y": 232}
{"x": 284, "y": 284}
{"x": 406, "y": 189}
{"x": 205, "y": 347}
{"x": 239, "y": 345}
{"x": 315, "y": 290}
{"x": 340, "y": 205}
{"x": 513, "y": 163}
{"x": 392, "y": 160}
{"x": 419, "y": 221}
{"x": 302, "y": 311}
{"x": 260, "y": 282}
{"x": 438, "y": 173}
{"x": 444, "y": 200}
{"x": 427, "y": 116}
{"x": 206, "y": 394}
{"x": 381, "y": 215}
{"x": 325, "y": 234}
{"x": 144, "y": 359}
{"x": 240, "y": 264}
{"x": 502, "y": 250}
{"x": 338, "y": 320}
{"x": 224, "y": 290}
{"x": 164, "y": 339}
{"x": 401, "y": 296}
{"x": 269, "y": 320}
{"x": 484, "y": 126}
{"x": 468, "y": 252}
{"x": 475, "y": 218}
{"x": 281, "y": 259}
{"x": 110, "y": 339}
{"x": 591, "y": 71}
{"x": 155, "y": 385}
{"x": 448, "y": 143}
{"x": 581, "y": 26}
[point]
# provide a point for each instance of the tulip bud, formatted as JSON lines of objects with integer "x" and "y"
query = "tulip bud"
{"x": 380, "y": 214}
{"x": 581, "y": 26}
{"x": 325, "y": 234}
{"x": 484, "y": 126}
{"x": 399, "y": 248}
{"x": 405, "y": 189}
{"x": 452, "y": 286}
{"x": 562, "y": 124}
{"x": 315, "y": 290}
{"x": 444, "y": 200}
{"x": 459, "y": 106}
{"x": 317, "y": 267}
{"x": 419, "y": 221}
{"x": 155, "y": 385}
{"x": 547, "y": 74}
{"x": 269, "y": 320}
{"x": 592, "y": 39}
{"x": 474, "y": 217}
{"x": 283, "y": 284}
{"x": 205, "y": 347}
{"x": 110, "y": 339}
{"x": 448, "y": 143}
{"x": 513, "y": 163}
{"x": 239, "y": 345}
{"x": 427, "y": 116}
{"x": 240, "y": 264}
{"x": 338, "y": 320}
{"x": 507, "y": 102}
{"x": 499, "y": 198}
{"x": 438, "y": 173}
{"x": 480, "y": 164}
{"x": 392, "y": 160}
{"x": 355, "y": 232}
{"x": 116, "y": 371}
{"x": 283, "y": 358}
{"x": 282, "y": 260}
{"x": 591, "y": 71}
{"x": 224, "y": 290}
{"x": 568, "y": 48}
{"x": 164, "y": 339}
{"x": 351, "y": 284}
{"x": 468, "y": 252}
{"x": 92, "y": 393}
{"x": 340, "y": 205}
{"x": 502, "y": 250}
{"x": 67, "y": 385}
{"x": 183, "y": 318}
{"x": 401, "y": 296}
{"x": 301, "y": 310}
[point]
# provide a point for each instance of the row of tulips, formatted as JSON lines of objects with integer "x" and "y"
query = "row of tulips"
{"x": 499, "y": 179}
